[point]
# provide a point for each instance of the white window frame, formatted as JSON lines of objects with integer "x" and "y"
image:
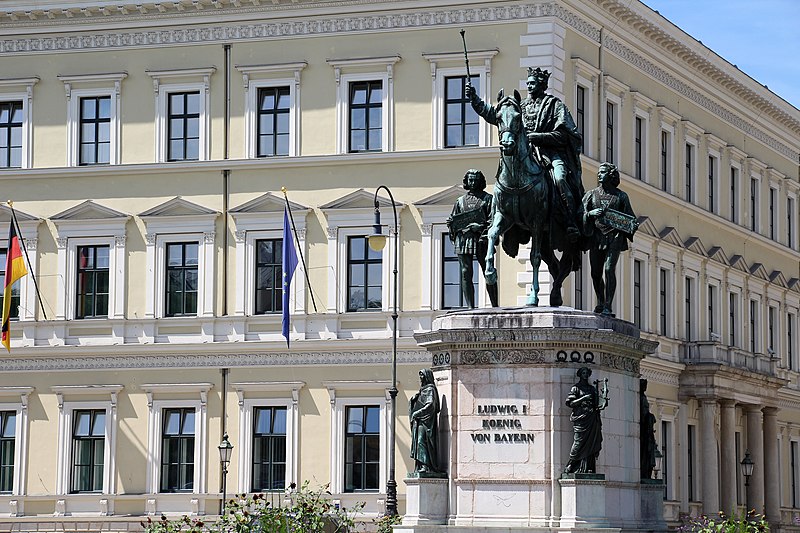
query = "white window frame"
{"x": 343, "y": 81}
{"x": 277, "y": 398}
{"x": 74, "y": 97}
{"x": 670, "y": 297}
{"x": 164, "y": 229}
{"x": 642, "y": 257}
{"x": 713, "y": 163}
{"x": 116, "y": 274}
{"x": 691, "y": 334}
{"x": 258, "y": 77}
{"x": 454, "y": 68}
{"x": 616, "y": 101}
{"x": 791, "y": 220}
{"x": 791, "y": 358}
{"x": 338, "y": 409}
{"x": 773, "y": 311}
{"x": 670, "y": 131}
{"x": 26, "y": 97}
{"x": 155, "y": 419}
{"x": 162, "y": 90}
{"x": 673, "y": 466}
{"x": 715, "y": 326}
{"x": 586, "y": 76}
{"x": 738, "y": 337}
{"x": 644, "y": 116}
{"x": 19, "y": 405}
{"x": 756, "y": 215}
{"x": 352, "y": 222}
{"x": 755, "y": 339}
{"x": 774, "y": 208}
{"x": 692, "y": 174}
{"x": 439, "y": 234}
{"x": 737, "y": 189}
{"x": 28, "y": 301}
{"x": 66, "y": 409}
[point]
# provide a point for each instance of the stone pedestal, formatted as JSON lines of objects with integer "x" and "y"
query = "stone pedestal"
{"x": 583, "y": 501}
{"x": 503, "y": 376}
{"x": 653, "y": 504}
{"x": 426, "y": 500}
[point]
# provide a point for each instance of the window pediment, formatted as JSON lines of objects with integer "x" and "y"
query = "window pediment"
{"x": 90, "y": 219}
{"x": 267, "y": 203}
{"x": 447, "y": 196}
{"x": 179, "y": 215}
{"x": 358, "y": 199}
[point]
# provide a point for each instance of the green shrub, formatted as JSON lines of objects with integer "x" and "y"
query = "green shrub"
{"x": 750, "y": 522}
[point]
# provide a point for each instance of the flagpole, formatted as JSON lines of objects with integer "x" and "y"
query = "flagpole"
{"x": 302, "y": 257}
{"x": 27, "y": 259}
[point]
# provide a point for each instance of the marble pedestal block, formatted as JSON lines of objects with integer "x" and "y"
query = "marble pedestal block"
{"x": 583, "y": 501}
{"x": 653, "y": 503}
{"x": 503, "y": 375}
{"x": 426, "y": 500}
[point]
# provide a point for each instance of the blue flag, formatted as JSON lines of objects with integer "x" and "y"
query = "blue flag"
{"x": 289, "y": 265}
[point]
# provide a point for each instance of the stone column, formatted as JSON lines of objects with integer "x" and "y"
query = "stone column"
{"x": 710, "y": 492}
{"x": 771, "y": 470}
{"x": 729, "y": 464}
{"x": 755, "y": 445}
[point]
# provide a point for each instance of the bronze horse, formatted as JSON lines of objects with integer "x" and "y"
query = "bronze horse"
{"x": 520, "y": 194}
{"x": 526, "y": 208}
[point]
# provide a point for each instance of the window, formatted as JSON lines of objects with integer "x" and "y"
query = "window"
{"x": 666, "y": 449}
{"x": 8, "y": 426}
{"x": 771, "y": 312}
{"x": 610, "y": 115}
{"x": 11, "y": 123}
{"x": 183, "y": 126}
{"x": 689, "y": 172}
{"x": 269, "y": 449}
{"x": 688, "y": 304}
{"x": 637, "y": 293}
{"x": 92, "y": 284}
{"x": 790, "y": 321}
{"x": 181, "y": 279}
{"x": 663, "y": 307}
{"x": 274, "y": 107}
{"x": 15, "y": 299}
{"x": 790, "y": 223}
{"x": 638, "y": 148}
{"x": 665, "y": 157}
{"x": 452, "y": 297}
{"x": 690, "y": 461}
{"x": 793, "y": 472}
{"x": 462, "y": 124}
{"x": 364, "y": 274}
{"x": 580, "y": 111}
{"x": 365, "y": 120}
{"x": 712, "y": 312}
{"x": 753, "y": 204}
{"x": 773, "y": 198}
{"x": 734, "y": 195}
{"x": 733, "y": 304}
{"x": 712, "y": 184}
{"x": 182, "y": 113}
{"x": 269, "y": 276}
{"x": 362, "y": 448}
{"x": 95, "y": 130}
{"x": 177, "y": 450}
{"x": 753, "y": 326}
{"x": 88, "y": 450}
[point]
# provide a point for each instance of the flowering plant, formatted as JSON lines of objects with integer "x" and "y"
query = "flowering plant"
{"x": 749, "y": 522}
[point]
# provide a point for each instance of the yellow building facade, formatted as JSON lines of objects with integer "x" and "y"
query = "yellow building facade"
{"x": 145, "y": 149}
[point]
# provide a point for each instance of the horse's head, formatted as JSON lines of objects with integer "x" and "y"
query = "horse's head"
{"x": 509, "y": 122}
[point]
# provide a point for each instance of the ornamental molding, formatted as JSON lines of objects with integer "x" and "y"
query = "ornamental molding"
{"x": 502, "y": 357}
{"x": 220, "y": 360}
{"x": 326, "y": 25}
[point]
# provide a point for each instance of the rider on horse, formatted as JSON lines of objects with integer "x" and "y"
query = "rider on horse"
{"x": 550, "y": 130}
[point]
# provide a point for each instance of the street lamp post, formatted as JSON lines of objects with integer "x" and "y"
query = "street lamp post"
{"x": 657, "y": 463}
{"x": 377, "y": 241}
{"x": 225, "y": 448}
{"x": 747, "y": 465}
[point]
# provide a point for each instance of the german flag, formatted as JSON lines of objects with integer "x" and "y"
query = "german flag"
{"x": 15, "y": 269}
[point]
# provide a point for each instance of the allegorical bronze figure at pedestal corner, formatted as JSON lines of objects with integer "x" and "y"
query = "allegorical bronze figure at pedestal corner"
{"x": 539, "y": 186}
{"x": 423, "y": 413}
{"x": 468, "y": 224}
{"x": 610, "y": 223}
{"x": 647, "y": 433}
{"x": 586, "y": 401}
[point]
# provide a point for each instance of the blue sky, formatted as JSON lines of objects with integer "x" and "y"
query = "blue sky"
{"x": 761, "y": 37}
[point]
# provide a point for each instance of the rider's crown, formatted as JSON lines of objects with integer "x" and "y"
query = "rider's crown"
{"x": 539, "y": 74}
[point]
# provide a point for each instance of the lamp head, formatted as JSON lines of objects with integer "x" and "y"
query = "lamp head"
{"x": 377, "y": 241}
{"x": 225, "y": 449}
{"x": 747, "y": 465}
{"x": 658, "y": 458}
